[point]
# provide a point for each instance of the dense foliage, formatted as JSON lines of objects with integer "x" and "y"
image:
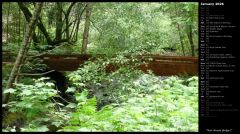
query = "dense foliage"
{"x": 172, "y": 106}
{"x": 124, "y": 100}
{"x": 155, "y": 104}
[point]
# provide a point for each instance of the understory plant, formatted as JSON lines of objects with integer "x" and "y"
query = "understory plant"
{"x": 105, "y": 83}
{"x": 36, "y": 104}
{"x": 154, "y": 104}
{"x": 172, "y": 106}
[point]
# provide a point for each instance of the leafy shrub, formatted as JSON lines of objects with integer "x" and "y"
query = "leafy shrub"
{"x": 106, "y": 86}
{"x": 34, "y": 65}
{"x": 170, "y": 107}
{"x": 6, "y": 70}
{"x": 36, "y": 102}
{"x": 154, "y": 104}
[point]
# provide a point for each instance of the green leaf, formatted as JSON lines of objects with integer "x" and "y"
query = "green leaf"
{"x": 71, "y": 105}
{"x": 57, "y": 123}
{"x": 71, "y": 89}
{"x": 43, "y": 128}
{"x": 10, "y": 90}
{"x": 84, "y": 129}
{"x": 4, "y": 105}
{"x": 26, "y": 92}
{"x": 82, "y": 97}
{"x": 39, "y": 84}
{"x": 49, "y": 84}
{"x": 71, "y": 128}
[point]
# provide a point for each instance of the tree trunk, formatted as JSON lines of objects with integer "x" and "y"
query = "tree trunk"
{"x": 190, "y": 37}
{"x": 27, "y": 17}
{"x": 181, "y": 39}
{"x": 72, "y": 32}
{"x": 77, "y": 28}
{"x": 7, "y": 23}
{"x": 24, "y": 27}
{"x": 59, "y": 22}
{"x": 67, "y": 28}
{"x": 19, "y": 25}
{"x": 67, "y": 19}
{"x": 40, "y": 25}
{"x": 16, "y": 29}
{"x": 86, "y": 28}
{"x": 27, "y": 37}
{"x": 75, "y": 34}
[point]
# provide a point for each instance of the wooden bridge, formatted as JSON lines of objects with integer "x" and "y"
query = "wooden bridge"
{"x": 160, "y": 65}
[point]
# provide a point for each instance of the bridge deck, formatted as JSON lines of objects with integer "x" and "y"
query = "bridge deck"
{"x": 160, "y": 65}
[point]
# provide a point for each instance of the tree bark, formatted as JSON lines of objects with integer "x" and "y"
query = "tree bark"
{"x": 74, "y": 24}
{"x": 180, "y": 38}
{"x": 190, "y": 37}
{"x": 8, "y": 22}
{"x": 26, "y": 13}
{"x": 19, "y": 25}
{"x": 67, "y": 19}
{"x": 179, "y": 32}
{"x": 86, "y": 28}
{"x": 40, "y": 25}
{"x": 27, "y": 37}
{"x": 59, "y": 22}
{"x": 15, "y": 29}
{"x": 75, "y": 35}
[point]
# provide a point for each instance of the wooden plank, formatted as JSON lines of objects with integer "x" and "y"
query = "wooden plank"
{"x": 161, "y": 65}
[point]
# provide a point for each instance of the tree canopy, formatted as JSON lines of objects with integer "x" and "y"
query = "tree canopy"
{"x": 154, "y": 27}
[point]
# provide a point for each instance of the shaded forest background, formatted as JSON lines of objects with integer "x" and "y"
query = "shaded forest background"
{"x": 104, "y": 27}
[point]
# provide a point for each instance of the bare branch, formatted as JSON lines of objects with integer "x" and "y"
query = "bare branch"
{"x": 28, "y": 74}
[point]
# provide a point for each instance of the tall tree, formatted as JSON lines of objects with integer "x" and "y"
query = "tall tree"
{"x": 67, "y": 19}
{"x": 26, "y": 13}
{"x": 190, "y": 36}
{"x": 74, "y": 33}
{"x": 179, "y": 31}
{"x": 86, "y": 28}
{"x": 181, "y": 39}
{"x": 40, "y": 25}
{"x": 59, "y": 21}
{"x": 55, "y": 14}
{"x": 19, "y": 25}
{"x": 23, "y": 50}
{"x": 8, "y": 23}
